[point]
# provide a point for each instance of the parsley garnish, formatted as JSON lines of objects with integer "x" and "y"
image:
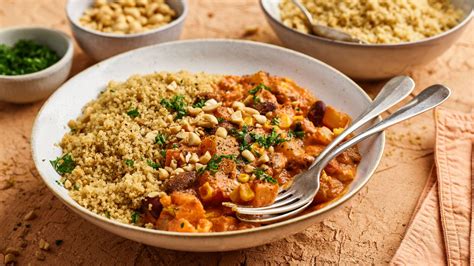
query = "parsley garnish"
{"x": 261, "y": 175}
{"x": 25, "y": 56}
{"x": 135, "y": 216}
{"x": 160, "y": 139}
{"x": 176, "y": 104}
{"x": 129, "y": 162}
{"x": 182, "y": 225}
{"x": 107, "y": 214}
{"x": 133, "y": 113}
{"x": 270, "y": 140}
{"x": 153, "y": 165}
{"x": 275, "y": 121}
{"x": 163, "y": 153}
{"x": 220, "y": 119}
{"x": 297, "y": 132}
{"x": 63, "y": 165}
{"x": 200, "y": 103}
{"x": 213, "y": 164}
{"x": 242, "y": 137}
{"x": 256, "y": 89}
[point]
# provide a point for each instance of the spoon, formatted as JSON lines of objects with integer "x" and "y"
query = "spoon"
{"x": 324, "y": 31}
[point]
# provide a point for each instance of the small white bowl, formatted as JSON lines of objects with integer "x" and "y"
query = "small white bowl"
{"x": 211, "y": 56}
{"x": 367, "y": 61}
{"x": 101, "y": 45}
{"x": 38, "y": 85}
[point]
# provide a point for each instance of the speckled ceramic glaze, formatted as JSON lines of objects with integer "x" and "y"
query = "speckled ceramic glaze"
{"x": 100, "y": 45}
{"x": 39, "y": 85}
{"x": 367, "y": 61}
{"x": 211, "y": 56}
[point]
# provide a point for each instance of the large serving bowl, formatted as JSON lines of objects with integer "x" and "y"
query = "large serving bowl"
{"x": 38, "y": 85}
{"x": 367, "y": 61}
{"x": 211, "y": 56}
{"x": 101, "y": 45}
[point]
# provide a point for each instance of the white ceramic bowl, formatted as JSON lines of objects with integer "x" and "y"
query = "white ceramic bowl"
{"x": 100, "y": 45}
{"x": 212, "y": 56}
{"x": 367, "y": 61}
{"x": 38, "y": 85}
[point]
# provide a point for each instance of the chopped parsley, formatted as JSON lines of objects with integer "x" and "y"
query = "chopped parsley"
{"x": 153, "y": 165}
{"x": 242, "y": 137}
{"x": 176, "y": 104}
{"x": 182, "y": 225}
{"x": 63, "y": 165}
{"x": 133, "y": 113}
{"x": 135, "y": 216}
{"x": 261, "y": 175}
{"x": 220, "y": 119}
{"x": 24, "y": 57}
{"x": 160, "y": 139}
{"x": 275, "y": 121}
{"x": 199, "y": 103}
{"x": 272, "y": 139}
{"x": 163, "y": 153}
{"x": 213, "y": 164}
{"x": 297, "y": 132}
{"x": 175, "y": 146}
{"x": 256, "y": 89}
{"x": 129, "y": 162}
{"x": 107, "y": 214}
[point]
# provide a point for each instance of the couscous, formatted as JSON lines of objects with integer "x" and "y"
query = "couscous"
{"x": 165, "y": 150}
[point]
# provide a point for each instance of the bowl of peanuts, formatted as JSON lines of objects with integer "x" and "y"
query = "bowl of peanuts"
{"x": 104, "y": 28}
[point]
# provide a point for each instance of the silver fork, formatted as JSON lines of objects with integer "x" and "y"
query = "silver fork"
{"x": 307, "y": 184}
{"x": 392, "y": 92}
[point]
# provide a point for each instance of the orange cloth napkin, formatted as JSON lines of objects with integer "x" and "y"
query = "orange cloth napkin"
{"x": 441, "y": 230}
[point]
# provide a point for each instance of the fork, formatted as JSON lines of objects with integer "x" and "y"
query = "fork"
{"x": 301, "y": 194}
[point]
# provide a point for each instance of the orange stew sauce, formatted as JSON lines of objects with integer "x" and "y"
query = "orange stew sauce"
{"x": 281, "y": 125}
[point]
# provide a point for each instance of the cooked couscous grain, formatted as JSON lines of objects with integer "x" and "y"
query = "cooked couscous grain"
{"x": 377, "y": 21}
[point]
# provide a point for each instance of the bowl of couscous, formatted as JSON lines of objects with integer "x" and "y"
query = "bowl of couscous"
{"x": 106, "y": 28}
{"x": 396, "y": 35}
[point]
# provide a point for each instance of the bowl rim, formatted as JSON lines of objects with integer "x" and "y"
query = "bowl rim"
{"x": 52, "y": 68}
{"x": 460, "y": 25}
{"x": 173, "y": 23}
{"x": 116, "y": 224}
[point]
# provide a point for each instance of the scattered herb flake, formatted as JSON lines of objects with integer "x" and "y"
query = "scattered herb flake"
{"x": 272, "y": 139}
{"x": 182, "y": 225}
{"x": 133, "y": 113}
{"x": 135, "y": 216}
{"x": 261, "y": 175}
{"x": 153, "y": 165}
{"x": 199, "y": 103}
{"x": 160, "y": 139}
{"x": 129, "y": 162}
{"x": 213, "y": 164}
{"x": 176, "y": 104}
{"x": 275, "y": 121}
{"x": 58, "y": 242}
{"x": 63, "y": 165}
{"x": 220, "y": 119}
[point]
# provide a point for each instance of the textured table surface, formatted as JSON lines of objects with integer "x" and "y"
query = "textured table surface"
{"x": 367, "y": 231}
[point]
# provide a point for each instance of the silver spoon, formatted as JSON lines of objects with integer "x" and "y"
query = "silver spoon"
{"x": 307, "y": 184}
{"x": 324, "y": 31}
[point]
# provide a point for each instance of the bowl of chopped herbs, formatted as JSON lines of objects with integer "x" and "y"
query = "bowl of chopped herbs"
{"x": 34, "y": 62}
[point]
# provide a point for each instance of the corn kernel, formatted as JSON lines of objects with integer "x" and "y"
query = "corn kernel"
{"x": 248, "y": 121}
{"x": 243, "y": 178}
{"x": 246, "y": 193}
{"x": 298, "y": 118}
{"x": 337, "y": 131}
{"x": 206, "y": 191}
{"x": 285, "y": 121}
{"x": 257, "y": 149}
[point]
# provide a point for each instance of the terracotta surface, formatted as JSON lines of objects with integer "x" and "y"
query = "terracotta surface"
{"x": 367, "y": 231}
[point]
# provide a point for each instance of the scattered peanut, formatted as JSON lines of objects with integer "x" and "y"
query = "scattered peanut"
{"x": 163, "y": 173}
{"x": 193, "y": 139}
{"x": 236, "y": 117}
{"x": 127, "y": 16}
{"x": 250, "y": 110}
{"x": 263, "y": 159}
{"x": 153, "y": 194}
{"x": 194, "y": 158}
{"x": 221, "y": 132}
{"x": 248, "y": 155}
{"x": 205, "y": 158}
{"x": 261, "y": 119}
{"x": 9, "y": 258}
{"x": 238, "y": 105}
{"x": 43, "y": 244}
{"x": 207, "y": 120}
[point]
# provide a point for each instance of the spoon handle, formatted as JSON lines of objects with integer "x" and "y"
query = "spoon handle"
{"x": 392, "y": 92}
{"x": 426, "y": 100}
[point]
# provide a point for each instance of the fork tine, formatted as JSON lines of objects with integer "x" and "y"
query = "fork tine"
{"x": 285, "y": 194}
{"x": 276, "y": 204}
{"x": 271, "y": 218}
{"x": 282, "y": 209}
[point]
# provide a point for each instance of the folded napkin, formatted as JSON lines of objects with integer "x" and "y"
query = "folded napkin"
{"x": 440, "y": 231}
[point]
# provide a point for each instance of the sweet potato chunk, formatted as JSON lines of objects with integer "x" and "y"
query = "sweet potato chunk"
{"x": 330, "y": 188}
{"x": 187, "y": 206}
{"x": 335, "y": 119}
{"x": 223, "y": 223}
{"x": 221, "y": 146}
{"x": 181, "y": 225}
{"x": 265, "y": 194}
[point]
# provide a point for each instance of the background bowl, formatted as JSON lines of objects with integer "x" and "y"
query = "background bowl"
{"x": 367, "y": 61}
{"x": 38, "y": 85}
{"x": 100, "y": 45}
{"x": 211, "y": 56}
